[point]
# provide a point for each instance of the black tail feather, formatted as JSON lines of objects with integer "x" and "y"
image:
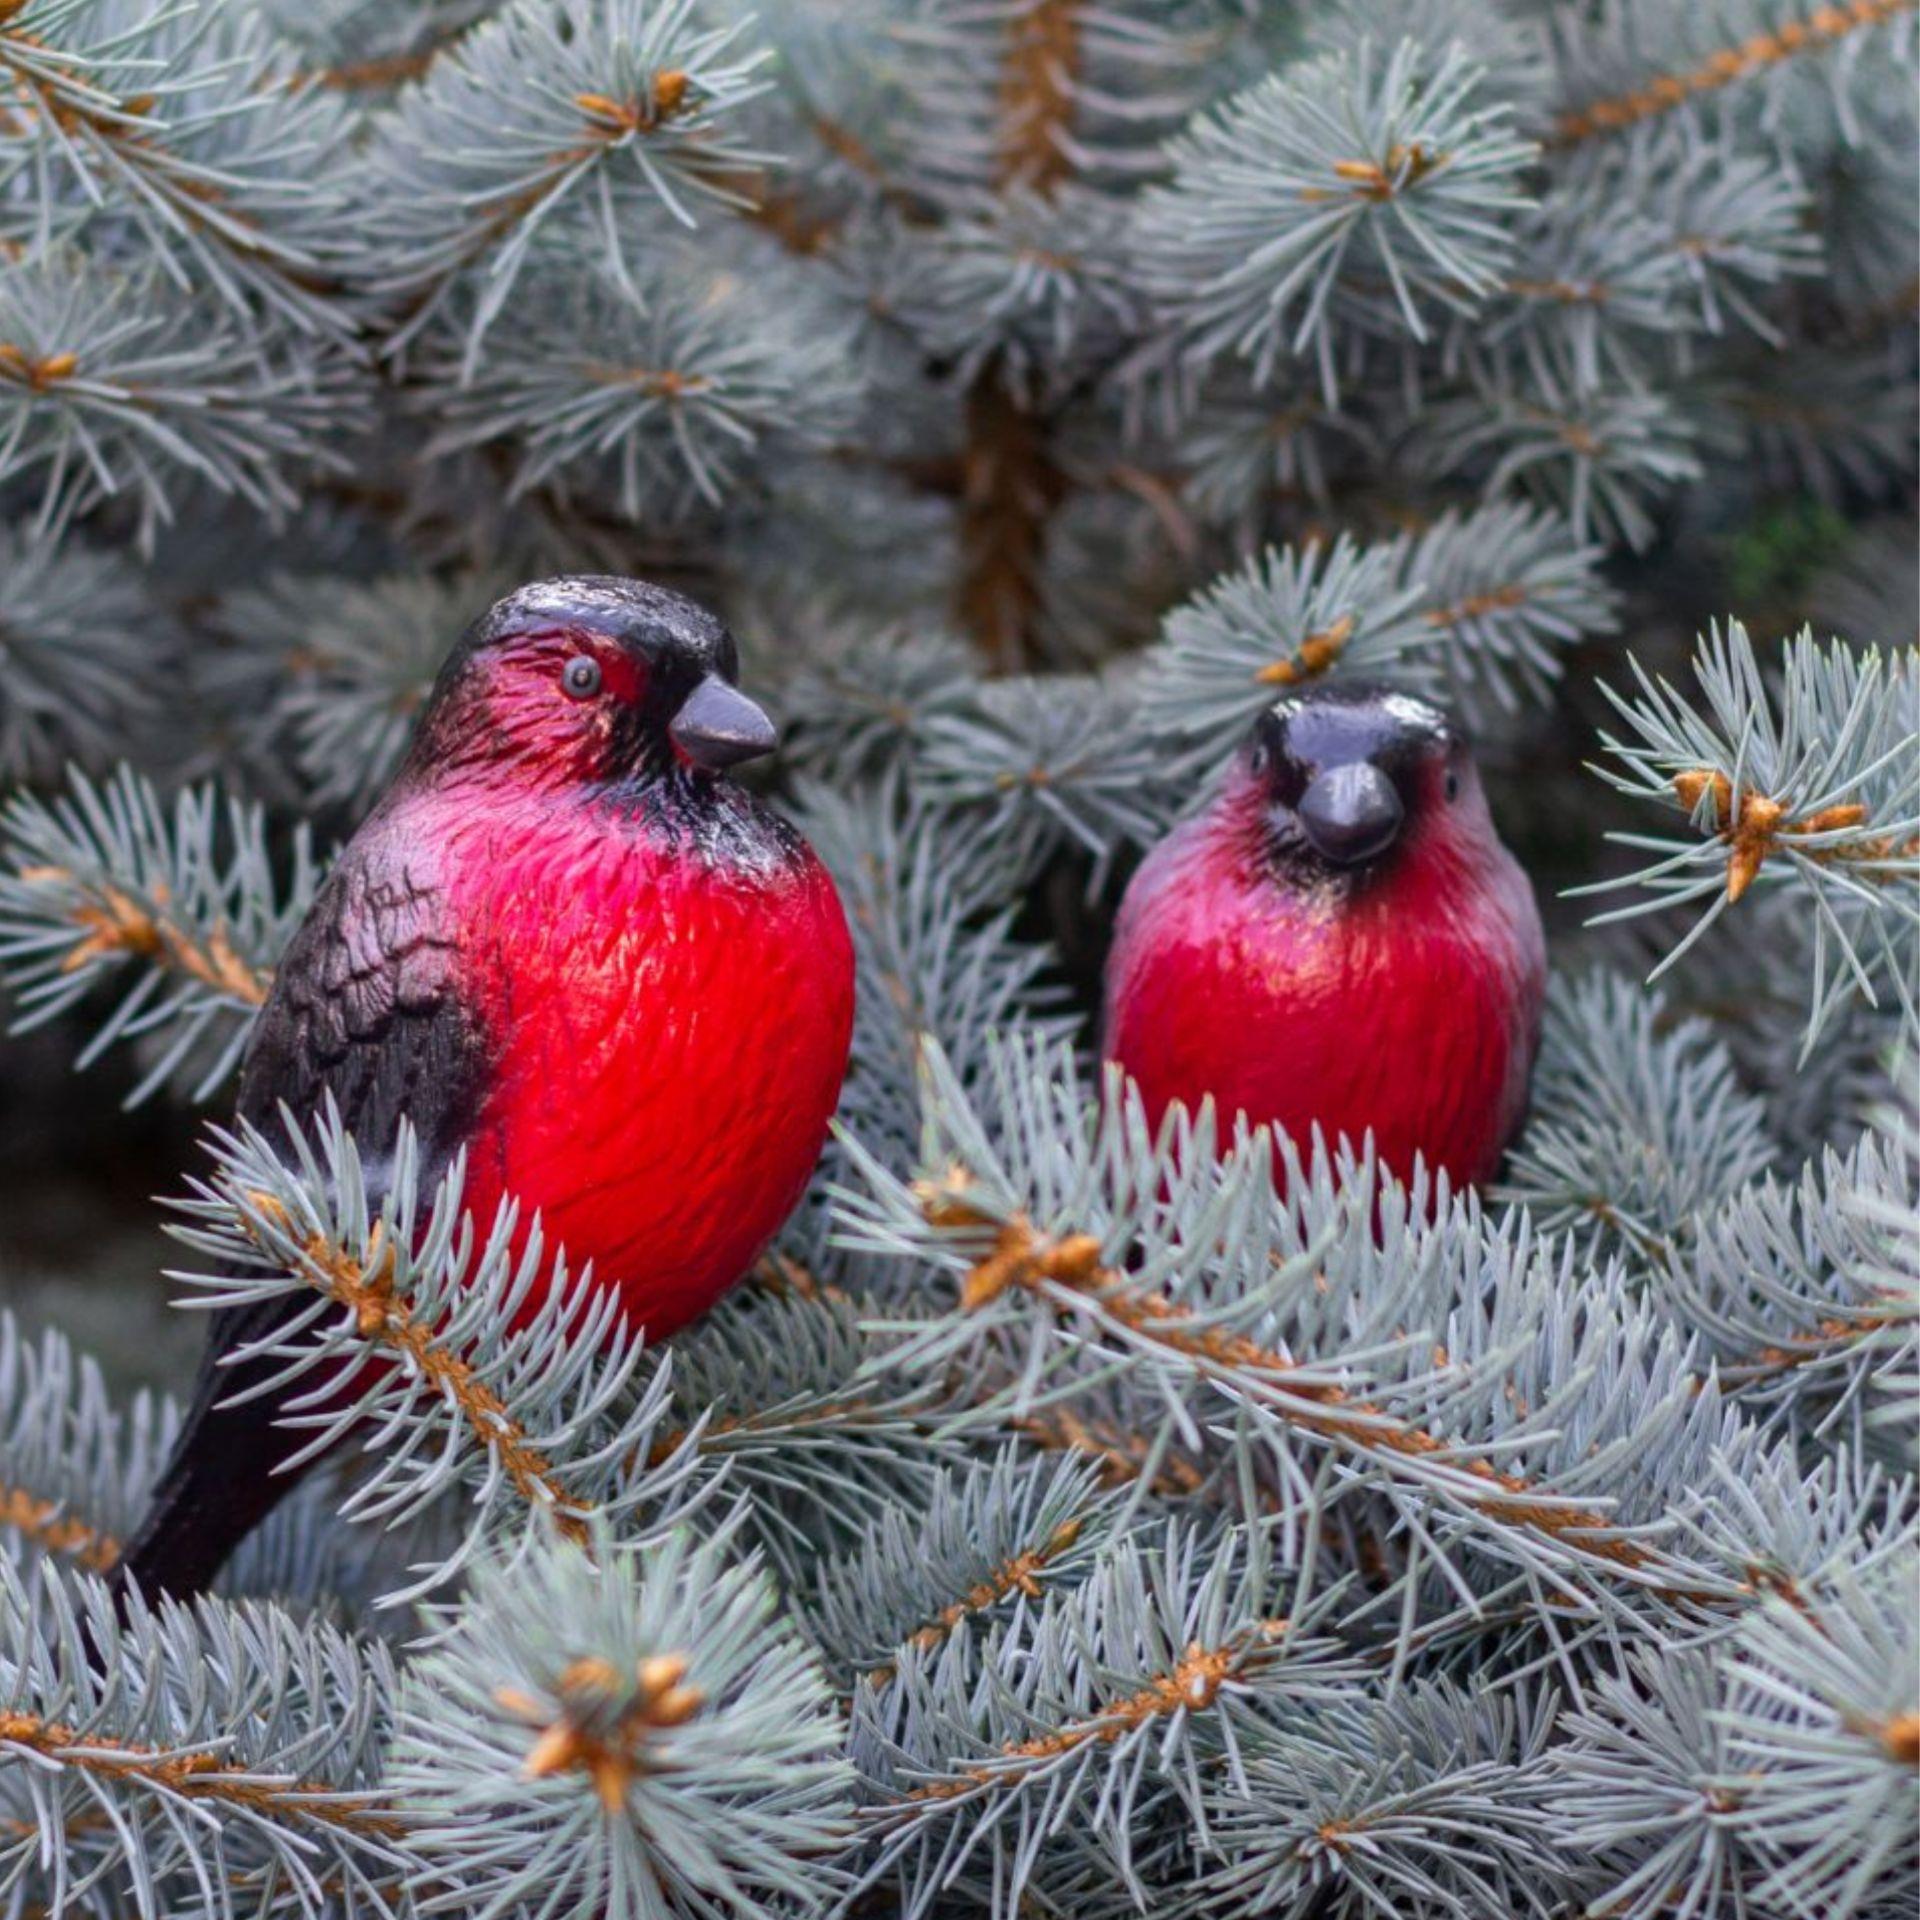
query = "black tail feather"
{"x": 219, "y": 1483}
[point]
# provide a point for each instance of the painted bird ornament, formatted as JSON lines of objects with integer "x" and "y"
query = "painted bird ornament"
{"x": 1341, "y": 940}
{"x": 565, "y": 941}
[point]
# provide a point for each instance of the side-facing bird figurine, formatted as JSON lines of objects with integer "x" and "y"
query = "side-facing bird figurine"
{"x": 1341, "y": 938}
{"x": 566, "y": 942}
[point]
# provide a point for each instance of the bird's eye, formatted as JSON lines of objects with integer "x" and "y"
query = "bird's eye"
{"x": 1266, "y": 745}
{"x": 581, "y": 677}
{"x": 1453, "y": 784}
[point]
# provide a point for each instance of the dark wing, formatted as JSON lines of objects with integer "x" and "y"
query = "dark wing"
{"x": 366, "y": 1006}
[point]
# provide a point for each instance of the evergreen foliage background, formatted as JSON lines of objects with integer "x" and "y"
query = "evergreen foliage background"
{"x": 1056, "y": 1523}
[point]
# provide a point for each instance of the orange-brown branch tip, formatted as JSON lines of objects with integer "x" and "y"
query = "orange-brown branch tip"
{"x": 54, "y": 1528}
{"x": 38, "y": 371}
{"x": 1316, "y": 653}
{"x": 114, "y": 922}
{"x": 669, "y": 94}
{"x": 1756, "y": 826}
{"x": 1491, "y": 600}
{"x": 584, "y": 1733}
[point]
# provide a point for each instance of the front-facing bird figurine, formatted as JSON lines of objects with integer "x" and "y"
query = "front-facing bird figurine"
{"x": 566, "y": 942}
{"x": 1340, "y": 939}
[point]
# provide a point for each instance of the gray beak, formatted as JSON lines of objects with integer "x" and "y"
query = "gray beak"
{"x": 718, "y": 726}
{"x": 1350, "y": 813}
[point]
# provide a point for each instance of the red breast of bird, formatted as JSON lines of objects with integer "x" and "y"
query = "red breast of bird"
{"x": 668, "y": 1013}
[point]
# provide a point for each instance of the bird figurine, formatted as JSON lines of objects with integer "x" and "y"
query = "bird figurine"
{"x": 1340, "y": 939}
{"x": 565, "y": 942}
